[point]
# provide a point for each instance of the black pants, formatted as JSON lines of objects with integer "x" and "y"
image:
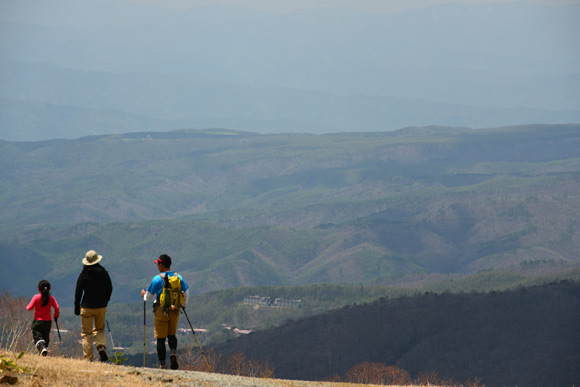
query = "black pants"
{"x": 41, "y": 331}
{"x": 162, "y": 352}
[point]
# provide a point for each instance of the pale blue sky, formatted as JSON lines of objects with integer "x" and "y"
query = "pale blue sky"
{"x": 283, "y": 6}
{"x": 273, "y": 70}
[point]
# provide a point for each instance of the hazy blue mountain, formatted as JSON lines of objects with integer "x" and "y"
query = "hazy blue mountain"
{"x": 41, "y": 101}
{"x": 229, "y": 66}
{"x": 34, "y": 121}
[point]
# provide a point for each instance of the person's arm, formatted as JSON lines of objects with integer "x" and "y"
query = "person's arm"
{"x": 109, "y": 287}
{"x": 185, "y": 290}
{"x": 30, "y": 305}
{"x": 185, "y": 298}
{"x": 147, "y": 296}
{"x": 151, "y": 292}
{"x": 56, "y": 308}
{"x": 79, "y": 294}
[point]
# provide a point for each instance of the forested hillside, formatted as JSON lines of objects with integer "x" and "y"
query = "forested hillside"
{"x": 242, "y": 209}
{"x": 215, "y": 311}
{"x": 526, "y": 337}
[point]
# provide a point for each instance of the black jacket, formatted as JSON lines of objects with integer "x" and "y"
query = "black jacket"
{"x": 95, "y": 283}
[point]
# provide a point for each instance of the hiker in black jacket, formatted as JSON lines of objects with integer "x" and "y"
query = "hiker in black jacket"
{"x": 92, "y": 295}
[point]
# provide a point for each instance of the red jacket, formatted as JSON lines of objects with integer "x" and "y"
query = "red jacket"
{"x": 43, "y": 312}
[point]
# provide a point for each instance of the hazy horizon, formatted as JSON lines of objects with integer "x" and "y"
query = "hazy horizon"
{"x": 69, "y": 68}
{"x": 372, "y": 6}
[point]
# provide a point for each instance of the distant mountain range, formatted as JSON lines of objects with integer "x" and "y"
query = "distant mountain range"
{"x": 244, "y": 209}
{"x": 316, "y": 71}
{"x": 106, "y": 103}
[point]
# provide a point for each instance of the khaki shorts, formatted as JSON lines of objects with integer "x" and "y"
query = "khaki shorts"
{"x": 165, "y": 324}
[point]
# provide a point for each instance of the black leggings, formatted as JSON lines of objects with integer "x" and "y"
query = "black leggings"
{"x": 41, "y": 331}
{"x": 161, "y": 351}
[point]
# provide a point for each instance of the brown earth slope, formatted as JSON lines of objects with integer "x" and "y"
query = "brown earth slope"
{"x": 39, "y": 371}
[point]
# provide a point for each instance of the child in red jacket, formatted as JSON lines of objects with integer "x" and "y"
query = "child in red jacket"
{"x": 42, "y": 304}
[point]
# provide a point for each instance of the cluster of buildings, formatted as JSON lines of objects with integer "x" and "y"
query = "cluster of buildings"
{"x": 185, "y": 331}
{"x": 267, "y": 301}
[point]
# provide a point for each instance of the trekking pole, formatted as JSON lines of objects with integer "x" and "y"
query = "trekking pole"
{"x": 59, "y": 338}
{"x": 57, "y": 330}
{"x": 112, "y": 343}
{"x": 144, "y": 330}
{"x": 198, "y": 344}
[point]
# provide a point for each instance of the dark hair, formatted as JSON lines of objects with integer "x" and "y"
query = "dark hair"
{"x": 165, "y": 260}
{"x": 44, "y": 288}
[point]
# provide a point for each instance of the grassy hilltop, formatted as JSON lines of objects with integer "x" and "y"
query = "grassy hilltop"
{"x": 60, "y": 371}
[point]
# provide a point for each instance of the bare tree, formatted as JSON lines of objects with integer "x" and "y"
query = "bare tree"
{"x": 192, "y": 359}
{"x": 377, "y": 373}
{"x": 14, "y": 323}
{"x": 431, "y": 378}
{"x": 237, "y": 364}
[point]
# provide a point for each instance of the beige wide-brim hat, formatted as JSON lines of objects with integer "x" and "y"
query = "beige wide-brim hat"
{"x": 91, "y": 258}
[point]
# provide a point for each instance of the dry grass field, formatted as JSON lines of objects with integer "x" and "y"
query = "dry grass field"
{"x": 34, "y": 370}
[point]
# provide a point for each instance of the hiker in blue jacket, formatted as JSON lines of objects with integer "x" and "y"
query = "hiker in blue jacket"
{"x": 166, "y": 317}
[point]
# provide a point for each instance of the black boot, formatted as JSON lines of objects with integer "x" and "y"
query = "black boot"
{"x": 174, "y": 365}
{"x": 102, "y": 353}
